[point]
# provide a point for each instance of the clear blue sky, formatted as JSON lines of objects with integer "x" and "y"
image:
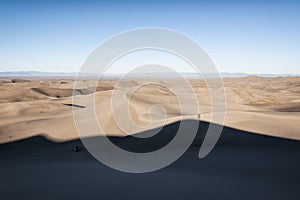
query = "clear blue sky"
{"x": 240, "y": 36}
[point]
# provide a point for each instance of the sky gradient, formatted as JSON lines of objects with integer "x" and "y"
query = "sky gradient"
{"x": 57, "y": 36}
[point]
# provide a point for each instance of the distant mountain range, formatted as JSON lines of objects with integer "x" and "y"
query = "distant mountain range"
{"x": 74, "y": 74}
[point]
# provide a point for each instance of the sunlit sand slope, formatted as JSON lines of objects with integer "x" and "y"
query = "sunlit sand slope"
{"x": 30, "y": 107}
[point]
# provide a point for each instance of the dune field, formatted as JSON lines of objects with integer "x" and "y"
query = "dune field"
{"x": 31, "y": 107}
{"x": 42, "y": 156}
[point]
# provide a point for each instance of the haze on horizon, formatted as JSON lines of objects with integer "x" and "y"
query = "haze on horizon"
{"x": 248, "y": 37}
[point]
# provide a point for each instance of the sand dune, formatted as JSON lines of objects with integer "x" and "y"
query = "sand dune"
{"x": 31, "y": 107}
{"x": 242, "y": 165}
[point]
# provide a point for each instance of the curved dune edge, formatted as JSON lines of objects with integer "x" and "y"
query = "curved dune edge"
{"x": 62, "y": 135}
{"x": 268, "y": 106}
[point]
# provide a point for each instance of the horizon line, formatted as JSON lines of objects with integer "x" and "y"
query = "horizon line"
{"x": 69, "y": 74}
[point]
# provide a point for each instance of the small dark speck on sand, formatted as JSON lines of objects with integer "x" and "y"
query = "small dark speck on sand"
{"x": 76, "y": 149}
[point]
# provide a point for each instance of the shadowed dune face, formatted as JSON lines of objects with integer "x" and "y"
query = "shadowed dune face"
{"x": 256, "y": 166}
{"x": 30, "y": 107}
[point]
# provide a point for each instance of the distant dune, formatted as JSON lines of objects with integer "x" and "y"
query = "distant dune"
{"x": 31, "y": 107}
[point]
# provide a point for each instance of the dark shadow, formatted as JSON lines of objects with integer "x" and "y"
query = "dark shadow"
{"x": 74, "y": 105}
{"x": 242, "y": 165}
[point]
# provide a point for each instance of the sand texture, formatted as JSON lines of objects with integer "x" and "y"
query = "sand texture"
{"x": 33, "y": 107}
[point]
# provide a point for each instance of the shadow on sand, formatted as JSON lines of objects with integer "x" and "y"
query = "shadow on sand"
{"x": 242, "y": 165}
